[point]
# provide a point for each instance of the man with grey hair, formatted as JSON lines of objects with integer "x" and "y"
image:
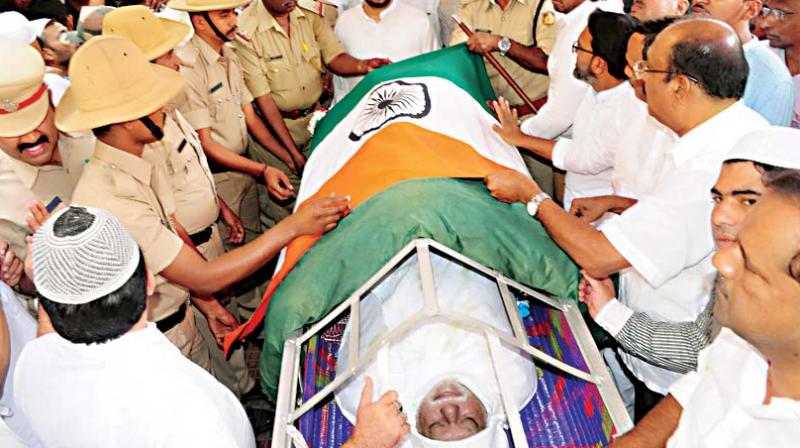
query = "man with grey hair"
{"x": 117, "y": 379}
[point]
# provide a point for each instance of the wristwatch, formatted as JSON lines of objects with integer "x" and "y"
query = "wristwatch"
{"x": 533, "y": 205}
{"x": 504, "y": 45}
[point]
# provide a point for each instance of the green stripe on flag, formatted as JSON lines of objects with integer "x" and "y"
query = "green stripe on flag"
{"x": 459, "y": 214}
{"x": 464, "y": 68}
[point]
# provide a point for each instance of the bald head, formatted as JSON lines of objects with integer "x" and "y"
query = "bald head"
{"x": 704, "y": 49}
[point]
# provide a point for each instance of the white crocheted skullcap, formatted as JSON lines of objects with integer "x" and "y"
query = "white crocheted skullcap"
{"x": 775, "y": 145}
{"x": 82, "y": 254}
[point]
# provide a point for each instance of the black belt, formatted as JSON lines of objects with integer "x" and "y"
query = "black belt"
{"x": 299, "y": 113}
{"x": 202, "y": 237}
{"x": 169, "y": 322}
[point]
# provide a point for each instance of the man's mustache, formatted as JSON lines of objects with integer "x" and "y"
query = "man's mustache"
{"x": 41, "y": 140}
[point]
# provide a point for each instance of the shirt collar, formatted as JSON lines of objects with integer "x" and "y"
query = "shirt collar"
{"x": 28, "y": 174}
{"x": 137, "y": 167}
{"x": 696, "y": 141}
{"x": 622, "y": 88}
{"x": 494, "y": 3}
{"x": 208, "y": 53}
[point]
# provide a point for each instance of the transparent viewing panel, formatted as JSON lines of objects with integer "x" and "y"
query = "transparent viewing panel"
{"x": 431, "y": 315}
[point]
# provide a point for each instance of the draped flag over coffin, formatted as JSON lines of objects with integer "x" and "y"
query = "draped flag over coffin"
{"x": 384, "y": 145}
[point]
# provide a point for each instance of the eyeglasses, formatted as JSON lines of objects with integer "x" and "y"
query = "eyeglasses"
{"x": 641, "y": 67}
{"x": 777, "y": 14}
{"x": 576, "y": 47}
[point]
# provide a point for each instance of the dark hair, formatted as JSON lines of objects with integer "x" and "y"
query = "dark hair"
{"x": 101, "y": 130}
{"x": 719, "y": 68}
{"x": 104, "y": 319}
{"x": 655, "y": 26}
{"x": 610, "y": 32}
{"x": 785, "y": 182}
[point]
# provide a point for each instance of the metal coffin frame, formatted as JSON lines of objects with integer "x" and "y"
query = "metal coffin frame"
{"x": 289, "y": 407}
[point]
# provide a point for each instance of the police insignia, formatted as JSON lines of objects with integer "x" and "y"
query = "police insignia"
{"x": 9, "y": 106}
{"x": 549, "y": 18}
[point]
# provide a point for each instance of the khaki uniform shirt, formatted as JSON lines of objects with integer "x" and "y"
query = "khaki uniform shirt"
{"x": 515, "y": 22}
{"x": 181, "y": 157}
{"x": 215, "y": 93}
{"x": 138, "y": 194}
{"x": 288, "y": 66}
{"x": 20, "y": 184}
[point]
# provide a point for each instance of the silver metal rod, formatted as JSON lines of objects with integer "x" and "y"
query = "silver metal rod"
{"x": 513, "y": 312}
{"x": 511, "y": 407}
{"x": 426, "y": 277}
{"x": 355, "y": 330}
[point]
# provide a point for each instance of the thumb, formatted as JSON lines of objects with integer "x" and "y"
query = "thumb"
{"x": 366, "y": 393}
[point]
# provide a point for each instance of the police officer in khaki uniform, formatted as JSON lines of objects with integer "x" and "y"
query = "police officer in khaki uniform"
{"x": 180, "y": 154}
{"x": 218, "y": 105}
{"x": 520, "y": 33}
{"x": 284, "y": 50}
{"x": 36, "y": 163}
{"x": 117, "y": 93}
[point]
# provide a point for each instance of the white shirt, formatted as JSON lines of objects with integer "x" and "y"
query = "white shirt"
{"x": 135, "y": 391}
{"x": 604, "y": 123}
{"x": 637, "y": 165}
{"x": 781, "y": 53}
{"x": 21, "y": 330}
{"x": 723, "y": 401}
{"x": 666, "y": 236}
{"x": 565, "y": 92}
{"x": 403, "y": 32}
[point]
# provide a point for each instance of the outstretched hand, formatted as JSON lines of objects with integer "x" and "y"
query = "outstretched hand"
{"x": 508, "y": 129}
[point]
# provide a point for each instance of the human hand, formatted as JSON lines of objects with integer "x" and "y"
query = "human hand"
{"x": 511, "y": 186}
{"x": 508, "y": 129}
{"x": 319, "y": 216}
{"x": 379, "y": 424}
{"x": 299, "y": 163}
{"x": 278, "y": 183}
{"x": 589, "y": 209}
{"x": 483, "y": 42}
{"x": 38, "y": 215}
{"x": 232, "y": 223}
{"x": 595, "y": 293}
{"x": 220, "y": 321}
{"x": 373, "y": 63}
{"x": 11, "y": 267}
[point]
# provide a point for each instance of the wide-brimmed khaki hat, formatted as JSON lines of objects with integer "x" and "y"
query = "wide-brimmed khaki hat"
{"x": 153, "y": 35}
{"x": 205, "y": 5}
{"x": 111, "y": 81}
{"x": 24, "y": 99}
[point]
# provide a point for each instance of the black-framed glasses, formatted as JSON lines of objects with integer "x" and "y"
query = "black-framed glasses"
{"x": 775, "y": 13}
{"x": 576, "y": 47}
{"x": 641, "y": 67}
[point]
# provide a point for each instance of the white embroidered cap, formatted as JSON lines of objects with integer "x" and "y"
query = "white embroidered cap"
{"x": 82, "y": 254}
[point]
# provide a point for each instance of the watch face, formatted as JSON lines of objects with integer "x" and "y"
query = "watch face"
{"x": 532, "y": 207}
{"x": 504, "y": 44}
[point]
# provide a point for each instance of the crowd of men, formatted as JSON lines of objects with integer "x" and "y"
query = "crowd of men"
{"x": 151, "y": 154}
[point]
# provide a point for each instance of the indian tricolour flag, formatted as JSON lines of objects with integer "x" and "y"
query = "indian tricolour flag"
{"x": 418, "y": 119}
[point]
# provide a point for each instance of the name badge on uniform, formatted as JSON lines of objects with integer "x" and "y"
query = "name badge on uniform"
{"x": 216, "y": 87}
{"x": 275, "y": 58}
{"x": 483, "y": 30}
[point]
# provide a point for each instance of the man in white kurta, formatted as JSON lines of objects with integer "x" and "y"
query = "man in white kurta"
{"x": 432, "y": 353}
{"x": 399, "y": 32}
